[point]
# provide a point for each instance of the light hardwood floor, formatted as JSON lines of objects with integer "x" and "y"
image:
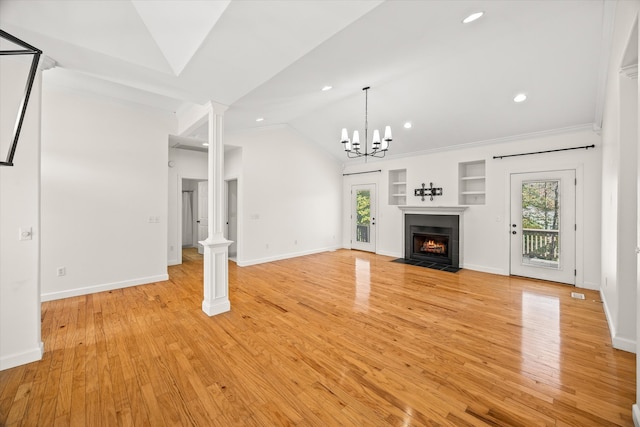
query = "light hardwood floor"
{"x": 343, "y": 338}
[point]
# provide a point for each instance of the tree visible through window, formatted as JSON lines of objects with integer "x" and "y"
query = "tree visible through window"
{"x": 540, "y": 211}
{"x": 363, "y": 215}
{"x": 363, "y": 207}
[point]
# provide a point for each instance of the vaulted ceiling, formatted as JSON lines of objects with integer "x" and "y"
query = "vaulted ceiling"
{"x": 269, "y": 59}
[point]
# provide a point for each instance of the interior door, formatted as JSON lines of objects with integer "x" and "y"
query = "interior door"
{"x": 363, "y": 217}
{"x": 203, "y": 218}
{"x": 231, "y": 216}
{"x": 543, "y": 226}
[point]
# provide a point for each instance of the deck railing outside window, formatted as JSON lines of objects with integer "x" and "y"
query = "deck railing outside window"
{"x": 362, "y": 233}
{"x": 542, "y": 244}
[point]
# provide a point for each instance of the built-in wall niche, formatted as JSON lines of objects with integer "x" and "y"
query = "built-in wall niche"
{"x": 472, "y": 186}
{"x": 398, "y": 187}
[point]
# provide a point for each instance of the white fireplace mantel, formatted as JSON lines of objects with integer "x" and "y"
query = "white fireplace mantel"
{"x": 441, "y": 210}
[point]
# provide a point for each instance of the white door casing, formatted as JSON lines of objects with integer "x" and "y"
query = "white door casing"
{"x": 544, "y": 251}
{"x": 363, "y": 226}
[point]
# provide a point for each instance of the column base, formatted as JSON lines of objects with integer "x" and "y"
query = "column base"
{"x": 216, "y": 276}
{"x": 217, "y": 307}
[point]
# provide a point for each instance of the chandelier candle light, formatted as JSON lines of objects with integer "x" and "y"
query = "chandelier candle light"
{"x": 379, "y": 147}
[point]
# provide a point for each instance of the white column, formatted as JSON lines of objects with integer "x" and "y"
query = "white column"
{"x": 216, "y": 247}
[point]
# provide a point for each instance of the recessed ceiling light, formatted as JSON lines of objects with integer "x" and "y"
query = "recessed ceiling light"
{"x": 407, "y": 125}
{"x": 206, "y": 144}
{"x": 326, "y": 88}
{"x": 260, "y": 119}
{"x": 520, "y": 97}
{"x": 472, "y": 17}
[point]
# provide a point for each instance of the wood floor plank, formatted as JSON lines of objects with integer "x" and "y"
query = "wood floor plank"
{"x": 338, "y": 338}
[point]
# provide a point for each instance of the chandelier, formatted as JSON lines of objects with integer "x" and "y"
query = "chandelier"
{"x": 26, "y": 49}
{"x": 379, "y": 147}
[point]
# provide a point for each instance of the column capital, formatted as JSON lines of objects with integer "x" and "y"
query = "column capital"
{"x": 213, "y": 243}
{"x": 46, "y": 63}
{"x": 216, "y": 107}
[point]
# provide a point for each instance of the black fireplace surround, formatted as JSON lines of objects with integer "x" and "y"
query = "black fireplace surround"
{"x": 432, "y": 238}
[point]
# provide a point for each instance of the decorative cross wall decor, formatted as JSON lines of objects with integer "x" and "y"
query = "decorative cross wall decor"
{"x": 431, "y": 191}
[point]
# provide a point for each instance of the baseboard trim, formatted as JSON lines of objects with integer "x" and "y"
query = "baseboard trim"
{"x": 285, "y": 256}
{"x": 588, "y": 285}
{"x": 483, "y": 269}
{"x": 18, "y": 359}
{"x": 50, "y": 296}
{"x": 617, "y": 342}
{"x": 391, "y": 254}
{"x": 172, "y": 262}
{"x": 635, "y": 411}
{"x": 625, "y": 344}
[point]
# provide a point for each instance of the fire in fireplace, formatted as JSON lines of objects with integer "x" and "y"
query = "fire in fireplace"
{"x": 433, "y": 247}
{"x": 431, "y": 244}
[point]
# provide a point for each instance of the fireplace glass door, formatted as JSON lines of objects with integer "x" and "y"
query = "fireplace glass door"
{"x": 543, "y": 225}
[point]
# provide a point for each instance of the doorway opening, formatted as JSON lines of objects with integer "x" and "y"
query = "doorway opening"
{"x": 363, "y": 217}
{"x": 192, "y": 216}
{"x": 231, "y": 217}
{"x": 543, "y": 225}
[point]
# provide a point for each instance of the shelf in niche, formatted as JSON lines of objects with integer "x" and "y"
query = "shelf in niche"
{"x": 398, "y": 187}
{"x": 472, "y": 183}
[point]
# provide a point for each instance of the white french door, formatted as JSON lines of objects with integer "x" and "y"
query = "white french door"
{"x": 363, "y": 217}
{"x": 543, "y": 225}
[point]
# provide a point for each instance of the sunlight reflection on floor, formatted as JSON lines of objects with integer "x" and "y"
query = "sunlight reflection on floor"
{"x": 540, "y": 333}
{"x": 363, "y": 284}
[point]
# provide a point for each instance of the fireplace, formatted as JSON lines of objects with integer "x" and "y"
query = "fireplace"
{"x": 432, "y": 239}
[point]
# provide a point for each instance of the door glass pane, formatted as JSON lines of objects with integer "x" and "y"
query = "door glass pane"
{"x": 541, "y": 223}
{"x": 363, "y": 215}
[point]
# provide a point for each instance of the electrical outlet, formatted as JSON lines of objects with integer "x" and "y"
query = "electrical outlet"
{"x": 61, "y": 271}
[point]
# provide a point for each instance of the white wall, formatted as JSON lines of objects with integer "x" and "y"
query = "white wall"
{"x": 20, "y": 341}
{"x": 289, "y": 196}
{"x": 104, "y": 193}
{"x": 487, "y": 226}
{"x": 619, "y": 184}
{"x": 186, "y": 164}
